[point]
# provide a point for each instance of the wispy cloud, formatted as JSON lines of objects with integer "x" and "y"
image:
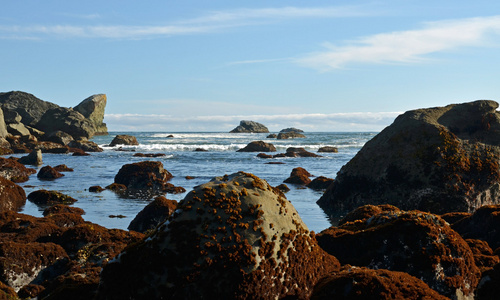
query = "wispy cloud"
{"x": 406, "y": 46}
{"x": 362, "y": 121}
{"x": 211, "y": 22}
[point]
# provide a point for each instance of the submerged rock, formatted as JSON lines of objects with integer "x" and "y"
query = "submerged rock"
{"x": 232, "y": 238}
{"x": 250, "y": 127}
{"x": 420, "y": 244}
{"x": 441, "y": 159}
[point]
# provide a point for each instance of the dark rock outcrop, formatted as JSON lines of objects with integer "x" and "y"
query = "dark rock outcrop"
{"x": 232, "y": 237}
{"x": 250, "y": 127}
{"x": 59, "y": 137}
{"x": 442, "y": 159}
{"x": 361, "y": 283}
{"x": 93, "y": 108}
{"x": 291, "y": 129}
{"x": 258, "y": 146}
{"x": 67, "y": 120}
{"x": 12, "y": 196}
{"x": 299, "y": 152}
{"x": 271, "y": 136}
{"x": 328, "y": 149}
{"x": 62, "y": 209}
{"x": 299, "y": 176}
{"x": 45, "y": 197}
{"x": 420, "y": 244}
{"x": 483, "y": 224}
{"x": 156, "y": 212}
{"x": 87, "y": 146}
{"x": 320, "y": 183}
{"x": 48, "y": 173}
{"x": 30, "y": 108}
{"x": 290, "y": 135}
{"x": 147, "y": 177}
{"x": 34, "y": 158}
{"x": 124, "y": 139}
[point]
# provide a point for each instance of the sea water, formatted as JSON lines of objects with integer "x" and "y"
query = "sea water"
{"x": 181, "y": 160}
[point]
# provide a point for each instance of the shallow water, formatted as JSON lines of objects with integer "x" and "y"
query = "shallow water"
{"x": 181, "y": 160}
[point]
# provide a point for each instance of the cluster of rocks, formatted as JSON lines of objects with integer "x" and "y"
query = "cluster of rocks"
{"x": 288, "y": 133}
{"x": 261, "y": 146}
{"x": 28, "y": 123}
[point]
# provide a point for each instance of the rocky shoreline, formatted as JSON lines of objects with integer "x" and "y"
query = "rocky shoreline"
{"x": 420, "y": 204}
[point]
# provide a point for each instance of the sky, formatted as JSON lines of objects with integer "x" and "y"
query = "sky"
{"x": 169, "y": 65}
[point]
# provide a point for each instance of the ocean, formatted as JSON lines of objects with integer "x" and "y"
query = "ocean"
{"x": 181, "y": 160}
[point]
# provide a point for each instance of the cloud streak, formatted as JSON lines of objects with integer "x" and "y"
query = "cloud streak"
{"x": 406, "y": 46}
{"x": 211, "y": 22}
{"x": 361, "y": 121}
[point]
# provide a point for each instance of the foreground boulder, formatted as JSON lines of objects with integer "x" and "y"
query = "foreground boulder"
{"x": 362, "y": 283}
{"x": 235, "y": 237}
{"x": 12, "y": 170}
{"x": 420, "y": 244}
{"x": 250, "y": 127}
{"x": 440, "y": 160}
{"x": 45, "y": 197}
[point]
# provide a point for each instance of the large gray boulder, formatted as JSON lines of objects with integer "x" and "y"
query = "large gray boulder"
{"x": 29, "y": 107}
{"x": 440, "y": 159}
{"x": 93, "y": 108}
{"x": 66, "y": 120}
{"x": 250, "y": 127}
{"x": 235, "y": 237}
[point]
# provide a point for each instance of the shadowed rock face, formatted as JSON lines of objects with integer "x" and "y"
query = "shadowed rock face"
{"x": 232, "y": 238}
{"x": 420, "y": 244}
{"x": 440, "y": 159}
{"x": 362, "y": 283}
{"x": 29, "y": 107}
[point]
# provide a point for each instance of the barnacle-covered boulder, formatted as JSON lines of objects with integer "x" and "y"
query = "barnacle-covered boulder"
{"x": 440, "y": 160}
{"x": 362, "y": 283}
{"x": 235, "y": 237}
{"x": 420, "y": 244}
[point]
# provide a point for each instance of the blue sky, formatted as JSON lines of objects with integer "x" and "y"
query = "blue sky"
{"x": 206, "y": 65}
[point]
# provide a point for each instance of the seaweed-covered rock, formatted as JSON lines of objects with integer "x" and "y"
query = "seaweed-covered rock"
{"x": 483, "y": 224}
{"x": 250, "y": 127}
{"x": 299, "y": 176}
{"x": 328, "y": 149}
{"x": 146, "y": 176}
{"x": 235, "y": 237}
{"x": 299, "y": 152}
{"x": 124, "y": 139}
{"x": 45, "y": 197}
{"x": 156, "y": 212}
{"x": 483, "y": 254}
{"x": 420, "y": 244}
{"x": 12, "y": 196}
{"x": 62, "y": 208}
{"x": 440, "y": 160}
{"x": 320, "y": 183}
{"x": 48, "y": 173}
{"x": 367, "y": 284}
{"x": 22, "y": 264}
{"x": 12, "y": 170}
{"x": 365, "y": 212}
{"x": 258, "y": 146}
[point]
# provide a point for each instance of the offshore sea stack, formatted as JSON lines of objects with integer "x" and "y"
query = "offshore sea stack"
{"x": 439, "y": 160}
{"x": 235, "y": 237}
{"x": 250, "y": 127}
